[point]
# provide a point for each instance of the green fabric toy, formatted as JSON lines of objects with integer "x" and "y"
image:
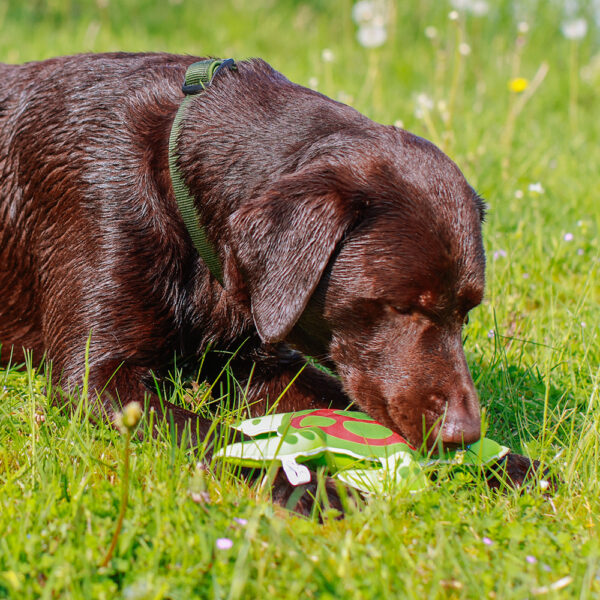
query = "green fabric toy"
{"x": 353, "y": 447}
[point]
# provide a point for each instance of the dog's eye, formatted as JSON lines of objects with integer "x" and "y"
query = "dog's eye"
{"x": 401, "y": 310}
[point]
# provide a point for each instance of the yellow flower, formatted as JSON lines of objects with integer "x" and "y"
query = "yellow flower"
{"x": 518, "y": 85}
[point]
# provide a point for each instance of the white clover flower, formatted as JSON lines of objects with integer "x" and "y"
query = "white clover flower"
{"x": 363, "y": 12}
{"x": 464, "y": 49}
{"x": 423, "y": 104}
{"x": 574, "y": 29}
{"x": 431, "y": 32}
{"x": 479, "y": 8}
{"x": 460, "y": 4}
{"x": 371, "y": 36}
{"x": 523, "y": 27}
{"x": 313, "y": 83}
{"x": 399, "y": 123}
{"x": 536, "y": 188}
{"x": 519, "y": 194}
{"x": 453, "y": 15}
{"x": 500, "y": 254}
{"x": 570, "y": 7}
{"x": 424, "y": 101}
{"x": 568, "y": 237}
{"x": 327, "y": 55}
{"x": 344, "y": 97}
{"x": 596, "y": 11}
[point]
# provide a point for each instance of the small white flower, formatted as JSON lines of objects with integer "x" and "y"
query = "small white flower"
{"x": 477, "y": 7}
{"x": 378, "y": 20}
{"x": 525, "y": 275}
{"x": 580, "y": 252}
{"x": 363, "y": 11}
{"x": 480, "y": 8}
{"x": 460, "y": 4}
{"x": 575, "y": 29}
{"x": 371, "y": 36}
{"x": 423, "y": 105}
{"x": 583, "y": 324}
{"x": 491, "y": 334}
{"x": 313, "y": 83}
{"x": 399, "y": 123}
{"x": 536, "y": 188}
{"x": 453, "y": 15}
{"x": 523, "y": 27}
{"x": 464, "y": 49}
{"x": 570, "y": 7}
{"x": 596, "y": 11}
{"x": 500, "y": 254}
{"x": 344, "y": 97}
{"x": 519, "y": 194}
{"x": 424, "y": 101}
{"x": 568, "y": 237}
{"x": 327, "y": 55}
{"x": 544, "y": 485}
{"x": 431, "y": 32}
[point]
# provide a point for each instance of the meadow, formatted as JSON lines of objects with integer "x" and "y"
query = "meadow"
{"x": 510, "y": 91}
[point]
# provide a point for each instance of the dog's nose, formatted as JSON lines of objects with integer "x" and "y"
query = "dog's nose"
{"x": 462, "y": 425}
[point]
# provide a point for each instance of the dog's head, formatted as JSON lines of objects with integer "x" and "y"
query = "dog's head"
{"x": 371, "y": 255}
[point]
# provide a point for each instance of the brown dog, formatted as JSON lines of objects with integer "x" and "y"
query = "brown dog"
{"x": 350, "y": 241}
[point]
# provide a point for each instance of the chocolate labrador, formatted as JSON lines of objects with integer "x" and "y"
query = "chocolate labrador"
{"x": 335, "y": 237}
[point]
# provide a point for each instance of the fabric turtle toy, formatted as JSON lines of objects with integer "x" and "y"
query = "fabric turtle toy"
{"x": 352, "y": 446}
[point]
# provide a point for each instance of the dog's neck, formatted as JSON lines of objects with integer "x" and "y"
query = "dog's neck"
{"x": 198, "y": 77}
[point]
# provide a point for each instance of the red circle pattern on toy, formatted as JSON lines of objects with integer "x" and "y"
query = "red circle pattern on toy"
{"x": 339, "y": 430}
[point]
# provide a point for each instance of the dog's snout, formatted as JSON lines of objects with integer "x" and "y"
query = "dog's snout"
{"x": 462, "y": 423}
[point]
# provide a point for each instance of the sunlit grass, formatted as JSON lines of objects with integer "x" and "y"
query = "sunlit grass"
{"x": 532, "y": 151}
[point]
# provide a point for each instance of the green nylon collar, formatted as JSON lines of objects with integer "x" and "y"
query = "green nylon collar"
{"x": 197, "y": 78}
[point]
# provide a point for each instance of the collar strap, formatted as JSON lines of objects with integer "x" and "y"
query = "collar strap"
{"x": 197, "y": 78}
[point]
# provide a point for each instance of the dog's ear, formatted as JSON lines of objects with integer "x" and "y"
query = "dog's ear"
{"x": 282, "y": 242}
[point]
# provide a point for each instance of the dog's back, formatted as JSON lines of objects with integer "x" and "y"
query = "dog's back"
{"x": 19, "y": 325}
{"x": 68, "y": 159}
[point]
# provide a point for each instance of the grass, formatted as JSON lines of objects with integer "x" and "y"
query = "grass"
{"x": 533, "y": 345}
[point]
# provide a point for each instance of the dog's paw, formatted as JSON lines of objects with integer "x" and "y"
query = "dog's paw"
{"x": 516, "y": 471}
{"x": 321, "y": 496}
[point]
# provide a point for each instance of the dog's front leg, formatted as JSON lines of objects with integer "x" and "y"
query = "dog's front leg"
{"x": 111, "y": 386}
{"x": 282, "y": 380}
